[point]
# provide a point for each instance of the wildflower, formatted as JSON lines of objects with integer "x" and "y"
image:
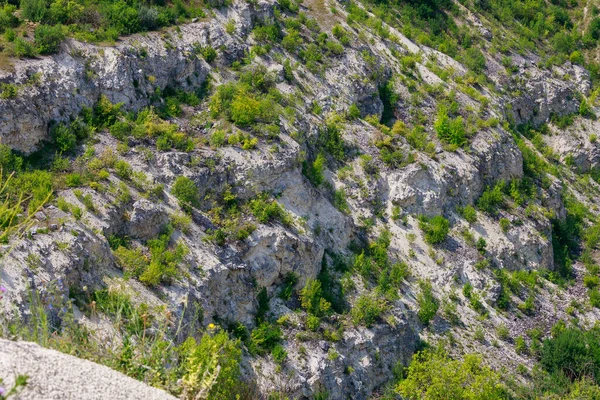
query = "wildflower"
{"x": 2, "y": 390}
{"x": 211, "y": 326}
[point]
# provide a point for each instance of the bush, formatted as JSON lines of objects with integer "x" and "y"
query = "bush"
{"x": 504, "y": 224}
{"x": 436, "y": 229}
{"x": 353, "y": 111}
{"x": 164, "y": 262}
{"x": 312, "y": 300}
{"x": 264, "y": 338}
{"x": 185, "y": 190}
{"x": 64, "y": 138}
{"x": 279, "y": 354}
{"x": 268, "y": 210}
{"x": 314, "y": 171}
{"x": 33, "y": 10}
{"x": 469, "y": 213}
{"x": 246, "y": 102}
{"x": 433, "y": 375}
{"x": 7, "y": 17}
{"x": 292, "y": 41}
{"x": 574, "y": 353}
{"x": 427, "y": 303}
{"x": 133, "y": 261}
{"x": 475, "y": 60}
{"x": 209, "y": 54}
{"x": 491, "y": 198}
{"x": 450, "y": 130}
{"x": 211, "y": 367}
{"x": 368, "y": 310}
{"x": 8, "y": 91}
{"x": 22, "y": 48}
{"x": 48, "y": 38}
{"x": 341, "y": 34}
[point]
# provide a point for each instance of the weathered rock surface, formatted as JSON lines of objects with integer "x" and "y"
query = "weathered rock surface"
{"x": 54, "y": 375}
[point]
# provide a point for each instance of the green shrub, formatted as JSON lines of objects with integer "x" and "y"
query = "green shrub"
{"x": 64, "y": 137}
{"x": 209, "y": 54}
{"x": 491, "y": 198}
{"x": 8, "y": 91}
{"x": 264, "y": 338}
{"x": 367, "y": 310}
{"x": 311, "y": 297}
{"x": 469, "y": 213}
{"x": 268, "y": 210}
{"x": 106, "y": 113}
{"x": 474, "y": 60}
{"x": 247, "y": 102}
{"x": 353, "y": 111}
{"x": 22, "y": 48}
{"x": 133, "y": 261}
{"x": 433, "y": 375}
{"x": 164, "y": 262}
{"x": 427, "y": 303}
{"x": 436, "y": 228}
{"x": 340, "y": 202}
{"x": 504, "y": 224}
{"x": 185, "y": 190}
{"x": 292, "y": 41}
{"x": 574, "y": 353}
{"x": 450, "y": 130}
{"x": 48, "y": 38}
{"x": 341, "y": 34}
{"x": 521, "y": 346}
{"x": 217, "y": 138}
{"x": 314, "y": 171}
{"x": 8, "y": 19}
{"x": 33, "y": 10}
{"x": 121, "y": 130}
{"x": 123, "y": 169}
{"x": 279, "y": 354}
{"x": 211, "y": 367}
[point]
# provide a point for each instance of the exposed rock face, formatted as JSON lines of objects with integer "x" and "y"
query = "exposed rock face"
{"x": 432, "y": 188}
{"x": 543, "y": 94}
{"x": 366, "y": 356}
{"x": 129, "y": 73}
{"x": 348, "y": 209}
{"x": 273, "y": 253}
{"x": 147, "y": 220}
{"x": 54, "y": 375}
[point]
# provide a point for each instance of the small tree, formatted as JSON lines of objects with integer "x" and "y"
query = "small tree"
{"x": 436, "y": 229}
{"x": 185, "y": 190}
{"x": 312, "y": 300}
{"x": 48, "y": 38}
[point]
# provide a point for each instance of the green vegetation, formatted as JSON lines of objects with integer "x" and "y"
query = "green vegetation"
{"x": 160, "y": 266}
{"x": 433, "y": 375}
{"x": 567, "y": 369}
{"x": 373, "y": 264}
{"x": 368, "y": 310}
{"x": 435, "y": 228}
{"x": 250, "y": 100}
{"x": 314, "y": 170}
{"x": 186, "y": 191}
{"x": 92, "y": 21}
{"x": 266, "y": 210}
{"x": 450, "y": 130}
{"x": 491, "y": 198}
{"x": 427, "y": 302}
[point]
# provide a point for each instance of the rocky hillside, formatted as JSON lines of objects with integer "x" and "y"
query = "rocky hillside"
{"x": 291, "y": 200}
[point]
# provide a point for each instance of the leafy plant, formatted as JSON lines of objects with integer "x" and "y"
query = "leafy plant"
{"x": 436, "y": 228}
